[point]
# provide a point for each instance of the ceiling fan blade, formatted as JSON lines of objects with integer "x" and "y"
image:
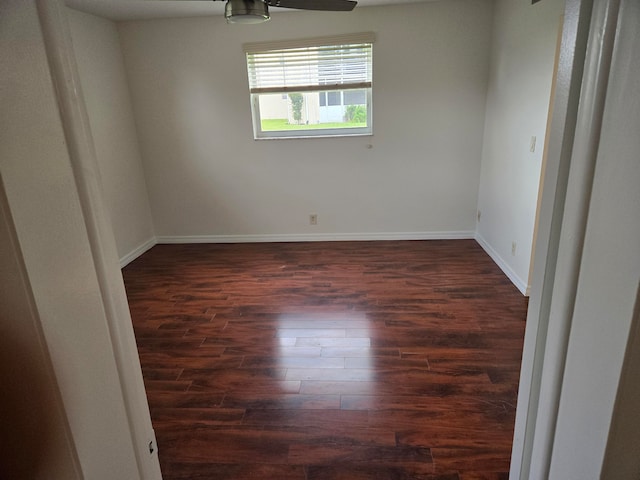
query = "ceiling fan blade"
{"x": 327, "y": 5}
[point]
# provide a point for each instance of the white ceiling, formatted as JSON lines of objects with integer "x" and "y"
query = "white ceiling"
{"x": 142, "y": 9}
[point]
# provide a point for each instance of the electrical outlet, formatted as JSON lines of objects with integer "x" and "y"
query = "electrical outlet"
{"x": 313, "y": 219}
{"x": 514, "y": 247}
{"x": 532, "y": 144}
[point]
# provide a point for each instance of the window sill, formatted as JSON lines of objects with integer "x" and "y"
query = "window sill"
{"x": 332, "y": 135}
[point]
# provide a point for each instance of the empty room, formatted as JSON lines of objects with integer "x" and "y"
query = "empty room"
{"x": 319, "y": 239}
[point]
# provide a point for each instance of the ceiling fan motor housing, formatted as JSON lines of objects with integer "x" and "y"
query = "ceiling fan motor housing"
{"x": 246, "y": 11}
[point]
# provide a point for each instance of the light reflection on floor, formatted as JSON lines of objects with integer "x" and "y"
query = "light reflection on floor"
{"x": 326, "y": 349}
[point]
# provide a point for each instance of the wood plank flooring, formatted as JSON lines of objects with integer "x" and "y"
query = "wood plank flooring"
{"x": 328, "y": 361}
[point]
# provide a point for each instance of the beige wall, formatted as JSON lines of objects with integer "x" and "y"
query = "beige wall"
{"x": 621, "y": 457}
{"x": 522, "y": 59}
{"x": 416, "y": 177}
{"x": 35, "y": 441}
{"x": 106, "y": 93}
{"x": 35, "y": 163}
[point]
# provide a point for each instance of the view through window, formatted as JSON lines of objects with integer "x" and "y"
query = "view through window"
{"x": 313, "y": 87}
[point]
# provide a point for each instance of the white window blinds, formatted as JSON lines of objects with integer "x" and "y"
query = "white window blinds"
{"x": 330, "y": 63}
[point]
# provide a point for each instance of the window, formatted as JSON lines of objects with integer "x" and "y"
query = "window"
{"x": 310, "y": 88}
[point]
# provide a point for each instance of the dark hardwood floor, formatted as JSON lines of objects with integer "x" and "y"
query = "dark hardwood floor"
{"x": 337, "y": 360}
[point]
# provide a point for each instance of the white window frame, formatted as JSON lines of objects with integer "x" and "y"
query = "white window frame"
{"x": 283, "y": 84}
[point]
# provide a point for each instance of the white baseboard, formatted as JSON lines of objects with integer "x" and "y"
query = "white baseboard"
{"x": 139, "y": 250}
{"x": 316, "y": 237}
{"x": 504, "y": 266}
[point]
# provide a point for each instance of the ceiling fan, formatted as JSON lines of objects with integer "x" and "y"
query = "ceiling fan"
{"x": 256, "y": 11}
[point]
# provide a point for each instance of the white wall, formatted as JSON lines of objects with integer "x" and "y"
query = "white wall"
{"x": 206, "y": 175}
{"x": 41, "y": 192}
{"x": 106, "y": 93}
{"x": 522, "y": 59}
{"x": 609, "y": 276}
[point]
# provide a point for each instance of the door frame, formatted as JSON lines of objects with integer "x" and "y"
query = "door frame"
{"x": 545, "y": 345}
